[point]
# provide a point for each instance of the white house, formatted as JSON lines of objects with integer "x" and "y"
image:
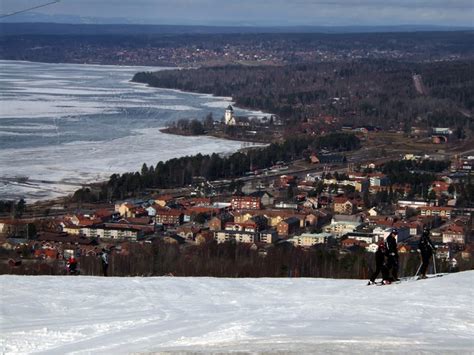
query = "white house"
{"x": 310, "y": 239}
{"x": 381, "y": 233}
{"x": 412, "y": 203}
{"x": 237, "y": 236}
{"x": 338, "y": 229}
{"x": 111, "y": 233}
{"x": 362, "y": 237}
{"x": 151, "y": 211}
{"x": 372, "y": 248}
{"x": 373, "y": 212}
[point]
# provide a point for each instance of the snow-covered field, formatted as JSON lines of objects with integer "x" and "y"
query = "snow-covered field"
{"x": 65, "y": 125}
{"x": 60, "y": 315}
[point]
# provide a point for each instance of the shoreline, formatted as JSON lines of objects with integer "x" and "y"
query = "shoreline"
{"x": 91, "y": 64}
{"x": 42, "y": 194}
{"x": 66, "y": 195}
{"x": 257, "y": 112}
{"x": 166, "y": 130}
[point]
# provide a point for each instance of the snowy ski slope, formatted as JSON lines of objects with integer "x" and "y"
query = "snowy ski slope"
{"x": 78, "y": 315}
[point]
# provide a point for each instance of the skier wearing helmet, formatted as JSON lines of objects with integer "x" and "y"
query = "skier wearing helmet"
{"x": 426, "y": 248}
{"x": 392, "y": 255}
{"x": 380, "y": 265}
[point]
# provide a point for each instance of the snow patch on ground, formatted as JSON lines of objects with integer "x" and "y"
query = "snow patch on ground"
{"x": 79, "y": 315}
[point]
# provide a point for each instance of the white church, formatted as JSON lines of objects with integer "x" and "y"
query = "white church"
{"x": 231, "y": 120}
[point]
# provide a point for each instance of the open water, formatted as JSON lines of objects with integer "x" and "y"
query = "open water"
{"x": 64, "y": 125}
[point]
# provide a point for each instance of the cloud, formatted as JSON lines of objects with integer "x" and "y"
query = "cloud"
{"x": 268, "y": 12}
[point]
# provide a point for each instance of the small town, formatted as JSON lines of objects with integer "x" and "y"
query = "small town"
{"x": 322, "y": 202}
{"x": 236, "y": 177}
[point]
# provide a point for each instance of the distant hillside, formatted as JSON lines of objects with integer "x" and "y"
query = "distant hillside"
{"x": 20, "y": 25}
{"x": 375, "y": 92}
{"x": 192, "y": 46}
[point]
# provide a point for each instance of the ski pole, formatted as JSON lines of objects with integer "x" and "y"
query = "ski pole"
{"x": 417, "y": 271}
{"x": 434, "y": 264}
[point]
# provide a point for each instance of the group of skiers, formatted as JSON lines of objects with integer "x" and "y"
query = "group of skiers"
{"x": 386, "y": 257}
{"x": 72, "y": 269}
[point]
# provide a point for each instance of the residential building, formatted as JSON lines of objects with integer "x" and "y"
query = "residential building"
{"x": 268, "y": 236}
{"x": 288, "y": 226}
{"x": 246, "y": 202}
{"x": 151, "y": 210}
{"x": 442, "y": 212}
{"x": 116, "y": 231}
{"x": 219, "y": 222}
{"x": 266, "y": 199}
{"x": 310, "y": 239}
{"x": 338, "y": 229}
{"x": 454, "y": 234}
{"x": 372, "y": 248}
{"x": 188, "y": 232}
{"x": 274, "y": 216}
{"x": 286, "y": 205}
{"x": 248, "y": 226}
{"x": 169, "y": 217}
{"x": 236, "y": 235}
{"x": 368, "y": 238}
{"x": 344, "y": 205}
{"x": 163, "y": 200}
{"x": 13, "y": 227}
{"x": 412, "y": 203}
{"x": 124, "y": 209}
{"x": 378, "y": 180}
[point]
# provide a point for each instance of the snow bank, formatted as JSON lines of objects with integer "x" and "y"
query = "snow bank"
{"x": 58, "y": 315}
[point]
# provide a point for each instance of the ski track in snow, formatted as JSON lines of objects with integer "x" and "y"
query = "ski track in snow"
{"x": 79, "y": 315}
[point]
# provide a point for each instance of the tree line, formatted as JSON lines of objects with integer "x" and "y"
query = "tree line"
{"x": 376, "y": 92}
{"x": 229, "y": 260}
{"x": 15, "y": 209}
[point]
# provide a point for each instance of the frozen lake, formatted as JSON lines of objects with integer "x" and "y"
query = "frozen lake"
{"x": 64, "y": 125}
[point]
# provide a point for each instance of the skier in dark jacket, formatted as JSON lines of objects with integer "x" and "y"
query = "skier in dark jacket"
{"x": 426, "y": 248}
{"x": 380, "y": 265}
{"x": 392, "y": 255}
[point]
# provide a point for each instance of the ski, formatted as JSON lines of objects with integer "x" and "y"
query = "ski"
{"x": 388, "y": 284}
{"x": 430, "y": 277}
{"x": 404, "y": 279}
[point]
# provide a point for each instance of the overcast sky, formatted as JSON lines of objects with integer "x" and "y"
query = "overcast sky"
{"x": 261, "y": 12}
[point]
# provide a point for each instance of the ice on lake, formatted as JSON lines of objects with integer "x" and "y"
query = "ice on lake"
{"x": 64, "y": 125}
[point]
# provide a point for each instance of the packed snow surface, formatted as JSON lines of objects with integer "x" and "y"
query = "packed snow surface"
{"x": 76, "y": 315}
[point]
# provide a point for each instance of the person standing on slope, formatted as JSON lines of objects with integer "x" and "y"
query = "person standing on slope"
{"x": 72, "y": 265}
{"x": 427, "y": 248}
{"x": 380, "y": 265}
{"x": 392, "y": 255}
{"x": 104, "y": 258}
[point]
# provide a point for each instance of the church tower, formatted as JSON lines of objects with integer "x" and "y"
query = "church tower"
{"x": 229, "y": 115}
